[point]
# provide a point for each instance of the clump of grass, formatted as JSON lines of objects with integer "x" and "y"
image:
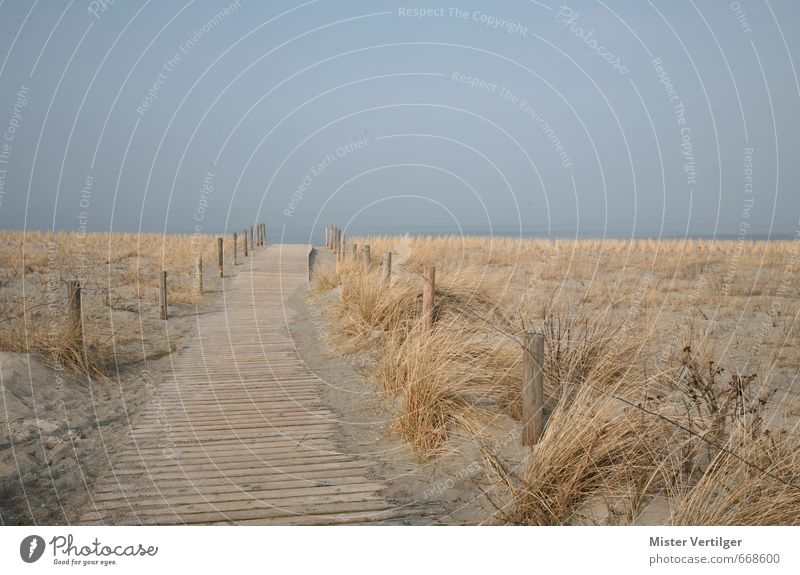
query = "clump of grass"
{"x": 763, "y": 491}
{"x": 446, "y": 378}
{"x": 593, "y": 450}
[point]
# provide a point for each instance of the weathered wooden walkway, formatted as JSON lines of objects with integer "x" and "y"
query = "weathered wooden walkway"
{"x": 239, "y": 432}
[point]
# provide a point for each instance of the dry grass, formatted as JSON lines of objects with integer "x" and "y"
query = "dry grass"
{"x": 636, "y": 409}
{"x": 119, "y": 280}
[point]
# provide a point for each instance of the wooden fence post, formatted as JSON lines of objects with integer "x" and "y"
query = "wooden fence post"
{"x": 354, "y": 251}
{"x": 365, "y": 255}
{"x": 533, "y": 388}
{"x": 252, "y": 243}
{"x": 327, "y": 238}
{"x": 162, "y": 280}
{"x": 340, "y": 251}
{"x": 74, "y": 308}
{"x": 235, "y": 242}
{"x": 264, "y": 226}
{"x": 386, "y": 275}
{"x": 219, "y": 257}
{"x": 198, "y": 275}
{"x": 244, "y": 241}
{"x": 429, "y": 275}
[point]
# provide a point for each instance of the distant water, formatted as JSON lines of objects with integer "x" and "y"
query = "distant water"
{"x": 318, "y": 237}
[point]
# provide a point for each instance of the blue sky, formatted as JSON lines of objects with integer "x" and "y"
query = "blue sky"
{"x": 594, "y": 118}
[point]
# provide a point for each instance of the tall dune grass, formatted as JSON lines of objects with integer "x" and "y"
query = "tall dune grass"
{"x": 637, "y": 412}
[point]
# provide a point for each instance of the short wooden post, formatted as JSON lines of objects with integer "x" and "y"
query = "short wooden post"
{"x": 198, "y": 275}
{"x": 252, "y": 243}
{"x": 327, "y": 245}
{"x": 162, "y": 280}
{"x": 429, "y": 275}
{"x": 219, "y": 257}
{"x": 354, "y": 251}
{"x": 261, "y": 234}
{"x": 386, "y": 274}
{"x": 533, "y": 388}
{"x": 264, "y": 227}
{"x": 340, "y": 251}
{"x": 365, "y": 255}
{"x": 74, "y": 308}
{"x": 244, "y": 241}
{"x": 235, "y": 242}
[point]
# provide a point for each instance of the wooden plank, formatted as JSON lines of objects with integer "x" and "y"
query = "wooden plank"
{"x": 243, "y": 434}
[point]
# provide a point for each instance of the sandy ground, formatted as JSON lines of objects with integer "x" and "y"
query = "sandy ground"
{"x": 59, "y": 431}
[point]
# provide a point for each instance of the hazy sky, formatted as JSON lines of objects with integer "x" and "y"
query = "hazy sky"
{"x": 617, "y": 118}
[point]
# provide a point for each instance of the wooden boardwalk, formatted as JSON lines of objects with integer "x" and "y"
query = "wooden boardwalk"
{"x": 239, "y": 432}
